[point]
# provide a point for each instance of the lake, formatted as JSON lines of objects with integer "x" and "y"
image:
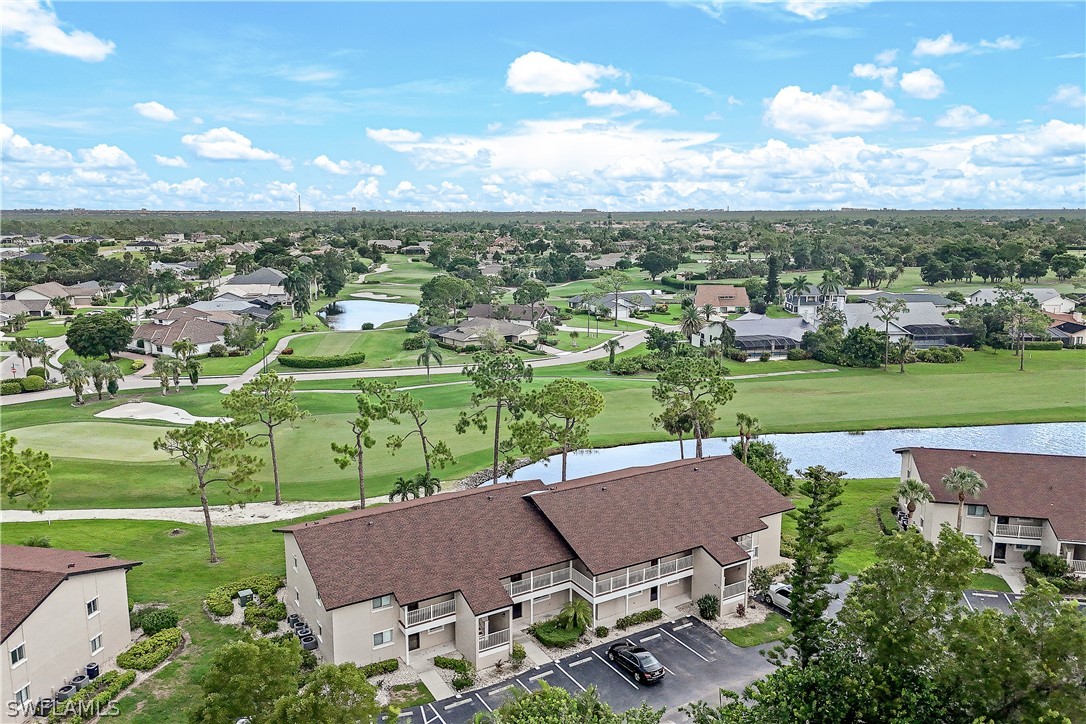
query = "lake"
{"x": 867, "y": 455}
{"x": 353, "y": 313}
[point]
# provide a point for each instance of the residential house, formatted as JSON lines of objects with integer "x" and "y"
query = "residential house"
{"x": 921, "y": 321}
{"x": 33, "y": 257}
{"x": 1031, "y": 502}
{"x": 258, "y": 308}
{"x": 1048, "y": 299}
{"x": 605, "y": 261}
{"x": 257, "y": 283}
{"x": 38, "y": 297}
{"x": 812, "y": 299}
{"x": 941, "y": 303}
{"x": 628, "y": 303}
{"x": 1070, "y": 333}
{"x": 173, "y": 238}
{"x": 183, "y": 269}
{"x": 241, "y": 247}
{"x": 724, "y": 298}
{"x": 59, "y": 610}
{"x": 415, "y": 250}
{"x": 145, "y": 246}
{"x": 386, "y": 245}
{"x": 757, "y": 334}
{"x": 412, "y": 579}
{"x": 513, "y": 312}
{"x": 474, "y": 331}
{"x": 202, "y": 328}
{"x": 66, "y": 239}
{"x": 10, "y": 308}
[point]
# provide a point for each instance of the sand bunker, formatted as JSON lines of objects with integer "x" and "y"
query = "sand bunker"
{"x": 152, "y": 411}
{"x": 374, "y": 295}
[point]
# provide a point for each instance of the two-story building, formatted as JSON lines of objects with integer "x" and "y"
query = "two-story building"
{"x": 59, "y": 611}
{"x": 463, "y": 571}
{"x": 808, "y": 302}
{"x": 1031, "y": 501}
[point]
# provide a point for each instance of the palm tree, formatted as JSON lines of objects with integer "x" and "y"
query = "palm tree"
{"x": 163, "y": 369}
{"x": 574, "y": 336}
{"x": 913, "y": 492}
{"x": 21, "y": 348}
{"x": 296, "y": 285}
{"x": 690, "y": 322}
{"x": 426, "y": 484}
{"x": 404, "y": 489}
{"x": 193, "y": 368}
{"x": 38, "y": 349}
{"x": 139, "y": 296}
{"x": 749, "y": 428}
{"x": 431, "y": 352}
{"x": 183, "y": 349}
{"x": 611, "y": 346}
{"x": 966, "y": 483}
{"x": 831, "y": 282}
{"x": 797, "y": 287}
{"x": 75, "y": 375}
{"x": 96, "y": 371}
{"x": 18, "y": 322}
{"x": 901, "y": 352}
{"x": 62, "y": 305}
{"x": 576, "y": 614}
{"x": 888, "y": 310}
{"x": 707, "y": 311}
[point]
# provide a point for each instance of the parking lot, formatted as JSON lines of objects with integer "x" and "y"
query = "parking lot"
{"x": 698, "y": 661}
{"x": 976, "y": 600}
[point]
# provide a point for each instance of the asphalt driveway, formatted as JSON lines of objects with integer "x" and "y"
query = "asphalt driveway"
{"x": 698, "y": 660}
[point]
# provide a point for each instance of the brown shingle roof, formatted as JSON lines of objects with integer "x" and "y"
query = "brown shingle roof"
{"x": 721, "y": 295}
{"x": 29, "y": 575}
{"x": 1019, "y": 484}
{"x": 666, "y": 508}
{"x": 197, "y": 331}
{"x": 416, "y": 550}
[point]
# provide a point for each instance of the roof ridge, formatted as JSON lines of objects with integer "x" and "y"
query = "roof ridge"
{"x": 987, "y": 452}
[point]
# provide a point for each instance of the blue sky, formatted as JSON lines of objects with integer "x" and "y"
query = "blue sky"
{"x": 458, "y": 106}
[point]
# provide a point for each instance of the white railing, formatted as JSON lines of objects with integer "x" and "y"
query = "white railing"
{"x": 641, "y": 575}
{"x": 746, "y": 542}
{"x": 583, "y": 581}
{"x": 493, "y": 640}
{"x": 534, "y": 583}
{"x": 429, "y": 613}
{"x": 1078, "y": 566}
{"x": 1018, "y": 531}
{"x": 732, "y": 590}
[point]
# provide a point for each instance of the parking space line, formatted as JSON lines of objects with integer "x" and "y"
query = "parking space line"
{"x": 456, "y": 704}
{"x": 668, "y": 670}
{"x": 1009, "y": 599}
{"x": 650, "y": 638}
{"x": 524, "y": 685}
{"x": 507, "y": 687}
{"x": 688, "y": 624}
{"x": 483, "y": 702}
{"x": 544, "y": 675}
{"x": 685, "y": 646}
{"x": 612, "y": 668}
{"x": 965, "y": 597}
{"x": 978, "y": 594}
{"x": 579, "y": 662}
{"x": 568, "y": 676}
{"x": 438, "y": 716}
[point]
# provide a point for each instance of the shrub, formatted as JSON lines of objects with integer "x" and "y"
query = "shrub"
{"x": 219, "y": 601}
{"x": 37, "y": 372}
{"x": 378, "y": 668}
{"x": 741, "y": 610}
{"x": 788, "y": 545}
{"x": 37, "y": 541}
{"x": 1044, "y": 345}
{"x": 217, "y": 350}
{"x": 653, "y": 614}
{"x": 553, "y": 634}
{"x": 941, "y": 355}
{"x": 796, "y": 354}
{"x": 415, "y": 341}
{"x": 266, "y": 615}
{"x": 94, "y": 697}
{"x": 709, "y": 607}
{"x": 316, "y": 363}
{"x": 760, "y": 580}
{"x": 11, "y": 387}
{"x": 462, "y": 681}
{"x": 32, "y": 384}
{"x": 149, "y": 653}
{"x": 602, "y": 631}
{"x": 627, "y": 366}
{"x": 153, "y": 620}
{"x": 598, "y": 365}
{"x": 460, "y": 666}
{"x": 518, "y": 654}
{"x": 367, "y": 325}
{"x": 738, "y": 355}
{"x": 1047, "y": 564}
{"x": 138, "y": 364}
{"x": 765, "y": 357}
{"x": 414, "y": 324}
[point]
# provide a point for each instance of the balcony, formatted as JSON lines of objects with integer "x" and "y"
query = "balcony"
{"x": 603, "y": 586}
{"x": 493, "y": 640}
{"x": 430, "y": 613}
{"x": 1022, "y": 532}
{"x": 537, "y": 582}
{"x": 731, "y": 590}
{"x": 1078, "y": 566}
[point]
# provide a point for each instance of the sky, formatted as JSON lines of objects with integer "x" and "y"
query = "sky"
{"x": 543, "y": 106}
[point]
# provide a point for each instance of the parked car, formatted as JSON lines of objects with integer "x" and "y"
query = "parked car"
{"x": 780, "y": 595}
{"x": 636, "y": 660}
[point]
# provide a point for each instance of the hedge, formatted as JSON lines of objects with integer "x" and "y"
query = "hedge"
{"x": 149, "y": 653}
{"x": 219, "y": 600}
{"x": 381, "y": 667}
{"x": 553, "y": 634}
{"x": 1044, "y": 345}
{"x": 94, "y": 697}
{"x": 37, "y": 372}
{"x": 153, "y": 620}
{"x": 266, "y": 615}
{"x": 317, "y": 363}
{"x": 462, "y": 681}
{"x": 460, "y": 666}
{"x": 32, "y": 383}
{"x": 11, "y": 387}
{"x": 653, "y": 614}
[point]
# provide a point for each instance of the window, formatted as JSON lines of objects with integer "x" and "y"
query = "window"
{"x": 435, "y": 629}
{"x": 977, "y": 540}
{"x": 297, "y": 596}
{"x": 976, "y": 511}
{"x": 382, "y": 638}
{"x": 22, "y": 695}
{"x": 295, "y": 562}
{"x": 320, "y": 630}
{"x": 673, "y": 583}
{"x": 96, "y": 644}
{"x": 18, "y": 655}
{"x": 382, "y": 602}
{"x": 92, "y": 607}
{"x": 546, "y": 597}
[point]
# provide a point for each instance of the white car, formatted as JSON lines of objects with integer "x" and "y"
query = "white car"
{"x": 780, "y": 595}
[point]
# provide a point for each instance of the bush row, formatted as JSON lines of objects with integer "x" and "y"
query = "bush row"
{"x": 153, "y": 620}
{"x": 151, "y": 652}
{"x": 317, "y": 363}
{"x": 31, "y": 383}
{"x": 1044, "y": 345}
{"x": 653, "y": 614}
{"x": 219, "y": 601}
{"x": 93, "y": 698}
{"x": 941, "y": 355}
{"x": 553, "y": 634}
{"x": 381, "y": 667}
{"x": 460, "y": 666}
{"x": 1066, "y": 585}
{"x": 266, "y": 615}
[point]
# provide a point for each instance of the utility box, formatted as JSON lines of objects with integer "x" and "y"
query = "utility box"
{"x": 245, "y": 597}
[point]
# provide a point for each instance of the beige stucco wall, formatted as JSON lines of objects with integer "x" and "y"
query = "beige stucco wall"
{"x": 353, "y": 630}
{"x": 58, "y": 633}
{"x": 769, "y": 541}
{"x": 541, "y": 608}
{"x": 1049, "y": 542}
{"x": 307, "y": 605}
{"x": 467, "y": 630}
{"x": 708, "y": 575}
{"x": 677, "y": 590}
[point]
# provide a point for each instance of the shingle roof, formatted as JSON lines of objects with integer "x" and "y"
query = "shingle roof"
{"x": 1019, "y": 484}
{"x": 721, "y": 295}
{"x": 14, "y": 306}
{"x": 51, "y": 290}
{"x": 197, "y": 331}
{"x": 757, "y": 325}
{"x": 671, "y": 507}
{"x": 264, "y": 275}
{"x": 863, "y": 314}
{"x": 516, "y": 311}
{"x": 937, "y": 299}
{"x": 29, "y": 575}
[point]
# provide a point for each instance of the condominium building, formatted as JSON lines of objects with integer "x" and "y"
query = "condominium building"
{"x": 466, "y": 569}
{"x": 1030, "y": 502}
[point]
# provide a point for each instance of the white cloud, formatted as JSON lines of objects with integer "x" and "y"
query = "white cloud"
{"x": 191, "y": 187}
{"x": 943, "y": 45}
{"x": 838, "y": 110}
{"x": 366, "y": 188}
{"x": 961, "y": 118}
{"x": 1071, "y": 56}
{"x": 1055, "y": 144}
{"x": 870, "y": 71}
{"x": 1069, "y": 95}
{"x": 197, "y": 120}
{"x": 104, "y": 156}
{"x": 36, "y": 25}
{"x": 924, "y": 83}
{"x": 1004, "y": 42}
{"x": 18, "y": 149}
{"x": 343, "y": 168}
{"x": 820, "y": 9}
{"x": 537, "y": 72}
{"x": 886, "y": 57}
{"x": 223, "y": 144}
{"x": 155, "y": 111}
{"x": 633, "y": 101}
{"x": 393, "y": 135}
{"x": 733, "y": 101}
{"x": 171, "y": 161}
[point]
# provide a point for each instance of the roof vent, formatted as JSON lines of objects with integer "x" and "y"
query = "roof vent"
{"x": 369, "y": 522}
{"x": 973, "y": 455}
{"x": 71, "y": 565}
{"x": 604, "y": 488}
{"x": 490, "y": 497}
{"x": 695, "y": 468}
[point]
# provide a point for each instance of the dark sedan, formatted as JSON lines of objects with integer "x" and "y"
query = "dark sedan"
{"x": 636, "y": 660}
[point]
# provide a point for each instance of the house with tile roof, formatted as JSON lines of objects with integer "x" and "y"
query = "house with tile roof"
{"x": 1048, "y": 299}
{"x": 1031, "y": 502}
{"x": 724, "y": 298}
{"x": 460, "y": 572}
{"x": 202, "y": 328}
{"x": 59, "y": 611}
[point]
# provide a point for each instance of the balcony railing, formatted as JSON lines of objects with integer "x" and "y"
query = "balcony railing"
{"x": 731, "y": 590}
{"x": 642, "y": 575}
{"x": 536, "y": 582}
{"x": 429, "y": 613}
{"x": 746, "y": 542}
{"x": 493, "y": 640}
{"x": 1078, "y": 566}
{"x": 1004, "y": 530}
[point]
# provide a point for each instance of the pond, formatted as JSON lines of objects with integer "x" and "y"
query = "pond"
{"x": 353, "y": 313}
{"x": 867, "y": 455}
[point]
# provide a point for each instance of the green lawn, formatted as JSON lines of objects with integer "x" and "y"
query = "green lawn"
{"x": 49, "y": 327}
{"x": 123, "y": 362}
{"x": 985, "y": 581}
{"x": 774, "y": 628}
{"x": 581, "y": 321}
